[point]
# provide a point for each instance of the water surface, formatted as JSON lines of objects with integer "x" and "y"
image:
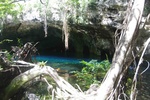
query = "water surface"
{"x": 64, "y": 63}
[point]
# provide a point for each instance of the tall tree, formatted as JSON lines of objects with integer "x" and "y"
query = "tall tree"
{"x": 110, "y": 85}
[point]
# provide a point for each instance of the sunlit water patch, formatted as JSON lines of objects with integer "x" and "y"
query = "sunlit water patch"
{"x": 64, "y": 63}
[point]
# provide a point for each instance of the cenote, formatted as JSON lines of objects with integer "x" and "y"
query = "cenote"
{"x": 63, "y": 62}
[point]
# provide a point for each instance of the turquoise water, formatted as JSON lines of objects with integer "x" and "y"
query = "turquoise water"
{"x": 64, "y": 63}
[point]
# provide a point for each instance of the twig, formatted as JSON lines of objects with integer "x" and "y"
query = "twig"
{"x": 134, "y": 83}
{"x": 146, "y": 68}
{"x": 79, "y": 88}
{"x": 16, "y": 1}
{"x": 30, "y": 49}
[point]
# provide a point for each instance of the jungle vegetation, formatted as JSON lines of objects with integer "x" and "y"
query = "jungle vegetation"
{"x": 114, "y": 76}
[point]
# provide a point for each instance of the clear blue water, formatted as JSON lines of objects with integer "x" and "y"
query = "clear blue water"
{"x": 64, "y": 63}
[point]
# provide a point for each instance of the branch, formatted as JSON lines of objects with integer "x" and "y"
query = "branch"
{"x": 44, "y": 3}
{"x": 133, "y": 90}
{"x": 27, "y": 76}
{"x": 16, "y": 1}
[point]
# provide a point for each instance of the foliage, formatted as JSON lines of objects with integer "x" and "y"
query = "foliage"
{"x": 20, "y": 44}
{"x": 8, "y": 56}
{"x": 128, "y": 86}
{"x": 42, "y": 63}
{"x": 146, "y": 7}
{"x": 5, "y": 40}
{"x": 1, "y": 68}
{"x": 93, "y": 72}
{"x": 9, "y": 11}
{"x": 7, "y": 7}
{"x": 45, "y": 97}
{"x": 77, "y": 10}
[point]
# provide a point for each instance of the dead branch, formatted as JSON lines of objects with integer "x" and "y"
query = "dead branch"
{"x": 67, "y": 91}
{"x": 25, "y": 52}
{"x": 134, "y": 83}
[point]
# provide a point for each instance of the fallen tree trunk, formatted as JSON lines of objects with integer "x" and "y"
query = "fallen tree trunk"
{"x": 67, "y": 91}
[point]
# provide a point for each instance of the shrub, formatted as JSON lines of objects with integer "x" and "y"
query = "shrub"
{"x": 93, "y": 72}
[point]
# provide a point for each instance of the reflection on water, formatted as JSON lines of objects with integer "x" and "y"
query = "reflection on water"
{"x": 64, "y": 63}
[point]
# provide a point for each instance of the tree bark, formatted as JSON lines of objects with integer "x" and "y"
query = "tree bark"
{"x": 123, "y": 47}
{"x": 27, "y": 76}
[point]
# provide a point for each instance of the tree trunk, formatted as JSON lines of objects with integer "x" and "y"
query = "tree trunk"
{"x": 106, "y": 90}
